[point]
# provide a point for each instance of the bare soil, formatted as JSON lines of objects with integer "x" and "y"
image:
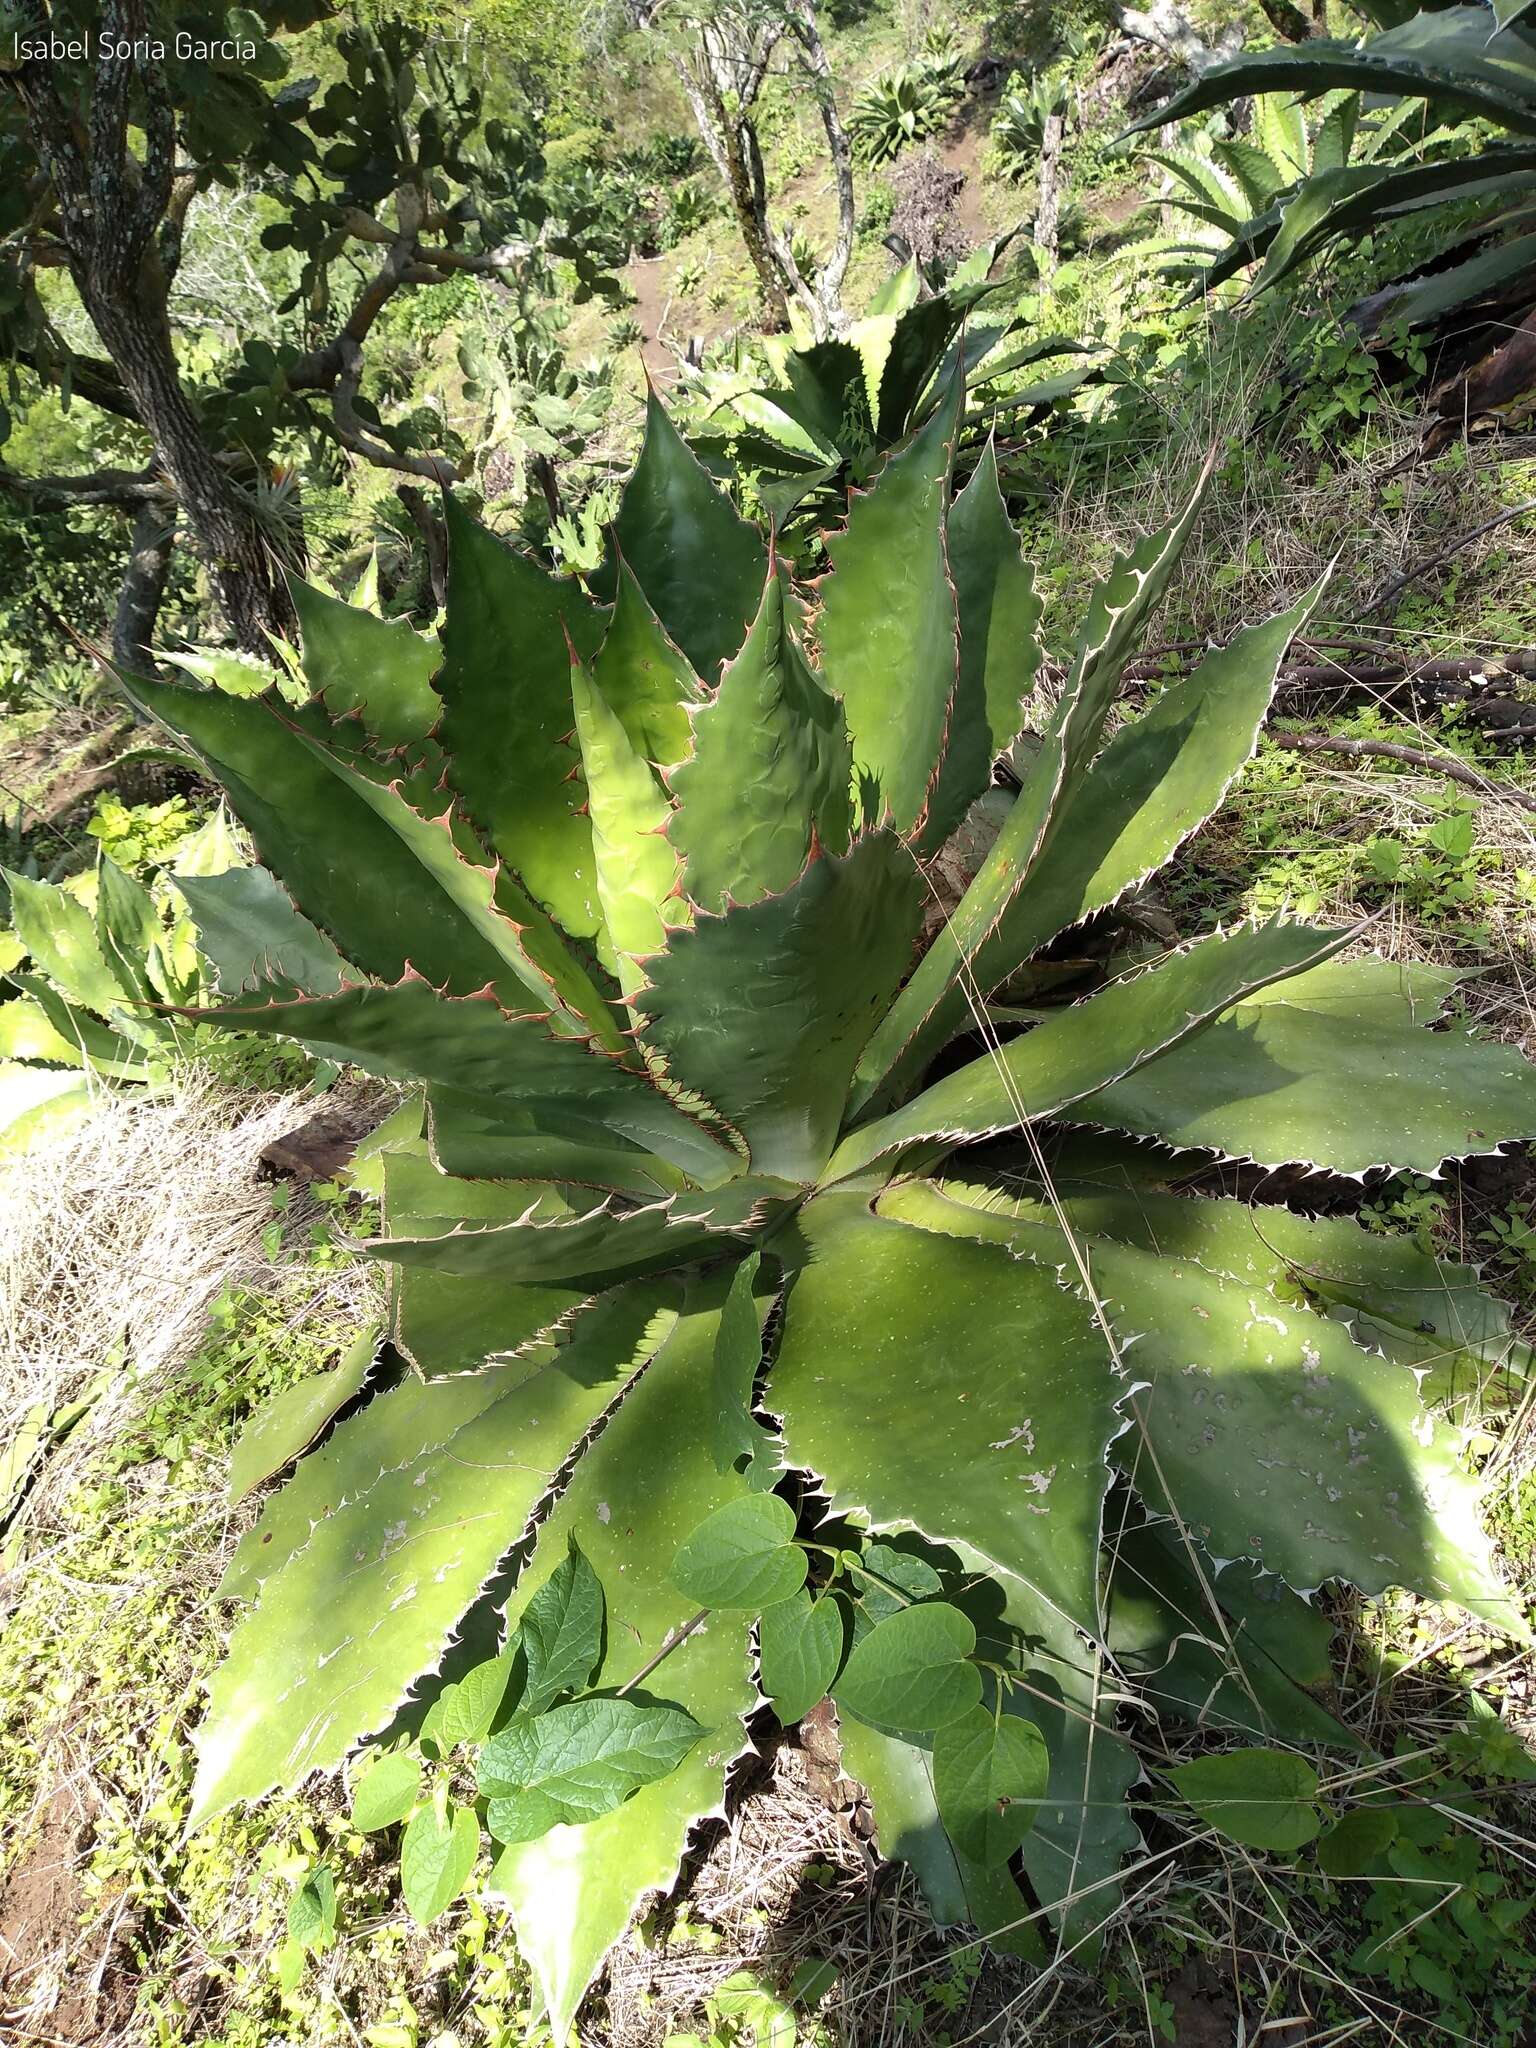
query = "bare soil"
{"x": 59, "y": 1981}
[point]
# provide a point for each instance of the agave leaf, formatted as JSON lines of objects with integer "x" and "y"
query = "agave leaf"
{"x": 1334, "y": 142}
{"x": 969, "y": 952}
{"x": 770, "y": 771}
{"x": 446, "y": 1323}
{"x": 898, "y": 1776}
{"x": 391, "y": 1431}
{"x": 593, "y": 1249}
{"x": 1082, "y": 1830}
{"x": 389, "y": 885}
{"x": 699, "y": 563}
{"x": 1157, "y": 781}
{"x": 644, "y": 679}
{"x": 1280, "y": 127}
{"x": 124, "y": 1055}
{"x": 827, "y": 397}
{"x": 251, "y": 934}
{"x": 379, "y": 668}
{"x": 368, "y": 1603}
{"x": 1263, "y": 1426}
{"x": 918, "y": 340}
{"x": 1170, "y": 1630}
{"x": 764, "y": 1010}
{"x": 966, "y": 1398}
{"x": 57, "y": 932}
{"x": 1000, "y": 651}
{"x": 899, "y": 291}
{"x": 449, "y": 1322}
{"x": 773, "y": 415}
{"x": 1446, "y": 56}
{"x": 481, "y": 1055}
{"x": 507, "y": 718}
{"x": 284, "y": 1427}
{"x": 1420, "y": 301}
{"x": 734, "y": 1434}
{"x": 1327, "y": 1260}
{"x": 26, "y": 1034}
{"x": 1127, "y": 1025}
{"x": 637, "y": 869}
{"x": 1313, "y": 1072}
{"x": 1355, "y": 198}
{"x": 888, "y": 627}
{"x": 130, "y": 934}
{"x": 573, "y": 1891}
{"x": 476, "y": 1138}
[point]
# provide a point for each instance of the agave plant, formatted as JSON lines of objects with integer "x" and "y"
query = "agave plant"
{"x": 93, "y": 964}
{"x": 906, "y": 104}
{"x": 1232, "y": 189}
{"x": 1018, "y": 127}
{"x": 768, "y": 1318}
{"x": 835, "y": 409}
{"x": 1462, "y": 59}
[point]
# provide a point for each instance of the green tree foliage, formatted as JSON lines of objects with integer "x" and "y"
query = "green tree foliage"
{"x": 390, "y": 177}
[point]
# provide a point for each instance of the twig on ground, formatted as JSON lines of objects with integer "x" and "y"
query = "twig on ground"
{"x": 1412, "y": 757}
{"x": 1462, "y": 540}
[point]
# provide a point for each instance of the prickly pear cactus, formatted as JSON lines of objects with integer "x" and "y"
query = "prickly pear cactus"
{"x": 777, "y": 1316}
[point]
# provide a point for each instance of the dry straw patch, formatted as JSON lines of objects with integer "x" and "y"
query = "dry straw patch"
{"x": 116, "y": 1239}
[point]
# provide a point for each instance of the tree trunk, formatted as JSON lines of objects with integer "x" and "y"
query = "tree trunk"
{"x": 1287, "y": 20}
{"x": 831, "y": 318}
{"x": 719, "y": 132}
{"x": 1048, "y": 207}
{"x": 142, "y": 590}
{"x": 244, "y": 573}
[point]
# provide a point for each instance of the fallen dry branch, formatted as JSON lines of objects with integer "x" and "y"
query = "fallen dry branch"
{"x": 1411, "y": 757}
{"x": 1399, "y": 584}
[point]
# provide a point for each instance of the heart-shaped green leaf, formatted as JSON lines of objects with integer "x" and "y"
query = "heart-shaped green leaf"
{"x": 312, "y": 1910}
{"x": 1351, "y": 1846}
{"x": 561, "y": 1632}
{"x": 800, "y": 1645}
{"x": 577, "y": 1762}
{"x": 463, "y": 1712}
{"x": 910, "y": 1675}
{"x": 437, "y": 1853}
{"x": 1263, "y": 1797}
{"x": 743, "y": 1555}
{"x": 386, "y": 1792}
{"x": 989, "y": 1776}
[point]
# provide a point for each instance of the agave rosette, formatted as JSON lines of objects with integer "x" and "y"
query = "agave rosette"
{"x": 636, "y": 894}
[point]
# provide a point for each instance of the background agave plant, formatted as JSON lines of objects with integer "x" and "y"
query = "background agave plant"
{"x": 905, "y": 104}
{"x": 835, "y": 409}
{"x": 772, "y": 1314}
{"x": 1018, "y": 127}
{"x": 1233, "y": 189}
{"x": 1461, "y": 59}
{"x": 88, "y": 966}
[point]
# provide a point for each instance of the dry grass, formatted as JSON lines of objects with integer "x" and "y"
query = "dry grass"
{"x": 116, "y": 1237}
{"x": 782, "y": 1882}
{"x": 116, "y": 1240}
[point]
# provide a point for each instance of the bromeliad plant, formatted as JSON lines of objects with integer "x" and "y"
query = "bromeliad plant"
{"x": 762, "y": 1333}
